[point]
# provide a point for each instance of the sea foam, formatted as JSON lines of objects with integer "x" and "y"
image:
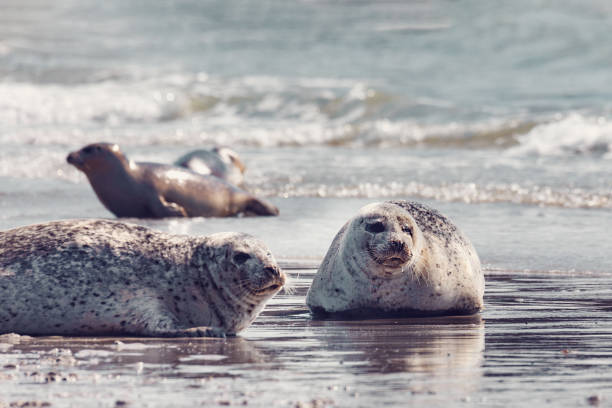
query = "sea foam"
{"x": 573, "y": 134}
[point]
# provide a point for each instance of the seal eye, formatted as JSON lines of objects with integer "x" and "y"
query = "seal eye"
{"x": 407, "y": 230}
{"x": 88, "y": 150}
{"x": 375, "y": 227}
{"x": 241, "y": 257}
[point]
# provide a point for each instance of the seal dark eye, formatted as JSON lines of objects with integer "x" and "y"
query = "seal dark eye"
{"x": 88, "y": 150}
{"x": 375, "y": 227}
{"x": 407, "y": 230}
{"x": 241, "y": 257}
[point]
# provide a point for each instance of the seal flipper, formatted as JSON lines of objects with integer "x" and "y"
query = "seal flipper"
{"x": 155, "y": 320}
{"x": 162, "y": 208}
{"x": 202, "y": 331}
{"x": 260, "y": 207}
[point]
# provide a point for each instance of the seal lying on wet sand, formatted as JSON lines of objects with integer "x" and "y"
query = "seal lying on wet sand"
{"x": 151, "y": 190}
{"x": 94, "y": 277}
{"x": 220, "y": 161}
{"x": 398, "y": 257}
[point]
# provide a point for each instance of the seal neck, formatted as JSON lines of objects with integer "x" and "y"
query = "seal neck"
{"x": 114, "y": 185}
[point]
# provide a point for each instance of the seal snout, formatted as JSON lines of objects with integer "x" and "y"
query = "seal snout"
{"x": 396, "y": 254}
{"x": 397, "y": 246}
{"x": 274, "y": 279}
{"x": 74, "y": 158}
{"x": 392, "y": 254}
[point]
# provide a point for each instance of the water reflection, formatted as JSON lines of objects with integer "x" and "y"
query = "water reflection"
{"x": 547, "y": 336}
{"x": 186, "y": 358}
{"x": 437, "y": 355}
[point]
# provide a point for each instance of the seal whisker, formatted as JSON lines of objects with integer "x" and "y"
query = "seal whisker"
{"x": 289, "y": 286}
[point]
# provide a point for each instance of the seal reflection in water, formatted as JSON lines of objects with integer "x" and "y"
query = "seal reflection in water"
{"x": 152, "y": 190}
{"x": 398, "y": 257}
{"x": 93, "y": 277}
{"x": 220, "y": 161}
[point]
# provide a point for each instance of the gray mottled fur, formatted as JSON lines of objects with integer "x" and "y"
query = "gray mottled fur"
{"x": 93, "y": 277}
{"x": 220, "y": 162}
{"x": 443, "y": 274}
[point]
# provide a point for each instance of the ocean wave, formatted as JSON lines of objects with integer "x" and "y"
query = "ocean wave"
{"x": 175, "y": 97}
{"x": 249, "y": 111}
{"x": 267, "y": 112}
{"x": 573, "y": 134}
{"x": 469, "y": 193}
{"x": 108, "y": 103}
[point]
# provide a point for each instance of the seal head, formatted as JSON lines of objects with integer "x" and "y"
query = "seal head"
{"x": 95, "y": 157}
{"x": 386, "y": 238}
{"x": 245, "y": 273}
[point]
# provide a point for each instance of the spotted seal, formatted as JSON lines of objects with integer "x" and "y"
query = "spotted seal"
{"x": 102, "y": 277}
{"x": 398, "y": 257}
{"x": 219, "y": 161}
{"x": 152, "y": 190}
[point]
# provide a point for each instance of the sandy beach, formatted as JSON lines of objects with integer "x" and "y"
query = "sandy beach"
{"x": 542, "y": 340}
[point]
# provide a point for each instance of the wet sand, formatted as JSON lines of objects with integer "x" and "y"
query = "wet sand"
{"x": 544, "y": 339}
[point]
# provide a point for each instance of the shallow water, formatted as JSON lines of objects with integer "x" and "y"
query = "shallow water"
{"x": 542, "y": 339}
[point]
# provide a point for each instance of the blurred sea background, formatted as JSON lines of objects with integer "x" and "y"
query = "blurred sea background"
{"x": 499, "y": 114}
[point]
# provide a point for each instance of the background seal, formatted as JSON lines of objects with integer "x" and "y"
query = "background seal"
{"x": 220, "y": 161}
{"x": 152, "y": 190}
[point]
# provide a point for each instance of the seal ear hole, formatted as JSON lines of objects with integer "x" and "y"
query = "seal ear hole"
{"x": 241, "y": 257}
{"x": 375, "y": 227}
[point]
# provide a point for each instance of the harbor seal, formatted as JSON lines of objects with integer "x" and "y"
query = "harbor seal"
{"x": 398, "y": 258}
{"x": 152, "y": 190}
{"x": 102, "y": 277}
{"x": 220, "y": 161}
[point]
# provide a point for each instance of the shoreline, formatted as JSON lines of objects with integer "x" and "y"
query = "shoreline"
{"x": 541, "y": 336}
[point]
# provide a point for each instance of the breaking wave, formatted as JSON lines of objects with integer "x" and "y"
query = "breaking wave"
{"x": 570, "y": 135}
{"x": 194, "y": 110}
{"x": 249, "y": 111}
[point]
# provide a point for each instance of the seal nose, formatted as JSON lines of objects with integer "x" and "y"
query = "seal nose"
{"x": 275, "y": 274}
{"x": 73, "y": 158}
{"x": 397, "y": 246}
{"x": 272, "y": 272}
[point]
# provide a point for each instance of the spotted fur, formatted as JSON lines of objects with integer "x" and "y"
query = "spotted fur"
{"x": 398, "y": 257}
{"x": 220, "y": 161}
{"x": 93, "y": 277}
